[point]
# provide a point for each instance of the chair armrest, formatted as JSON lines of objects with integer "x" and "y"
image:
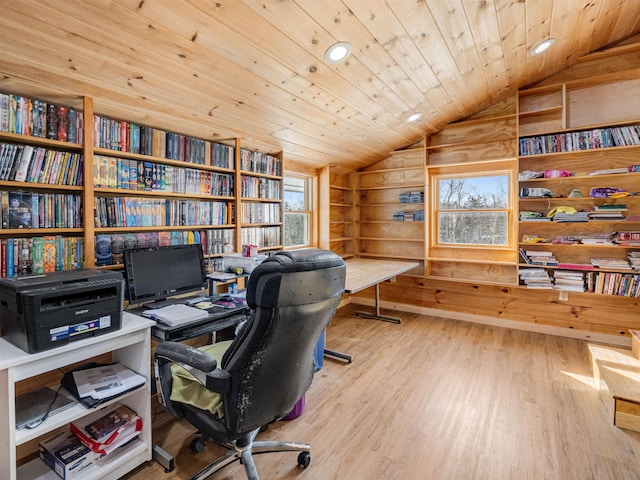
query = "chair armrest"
{"x": 199, "y": 364}
{"x": 187, "y": 355}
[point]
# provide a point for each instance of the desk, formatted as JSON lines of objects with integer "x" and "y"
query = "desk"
{"x": 364, "y": 273}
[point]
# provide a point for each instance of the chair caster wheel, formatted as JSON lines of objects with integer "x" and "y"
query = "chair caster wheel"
{"x": 198, "y": 445}
{"x": 304, "y": 459}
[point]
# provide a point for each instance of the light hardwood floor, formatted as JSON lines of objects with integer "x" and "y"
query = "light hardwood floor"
{"x": 434, "y": 399}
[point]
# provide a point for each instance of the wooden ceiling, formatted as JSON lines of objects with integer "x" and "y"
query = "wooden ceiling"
{"x": 256, "y": 70}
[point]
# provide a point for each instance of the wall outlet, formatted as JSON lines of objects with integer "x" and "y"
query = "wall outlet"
{"x": 563, "y": 296}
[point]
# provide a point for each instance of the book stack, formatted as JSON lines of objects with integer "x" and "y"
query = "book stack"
{"x": 418, "y": 216}
{"x": 535, "y": 278}
{"x": 411, "y": 197}
{"x": 596, "y": 240}
{"x": 568, "y": 217}
{"x": 568, "y": 281}
{"x": 628, "y": 239}
{"x": 539, "y": 257}
{"x": 607, "y": 212}
{"x": 634, "y": 260}
{"x": 529, "y": 216}
{"x": 404, "y": 216}
{"x": 611, "y": 263}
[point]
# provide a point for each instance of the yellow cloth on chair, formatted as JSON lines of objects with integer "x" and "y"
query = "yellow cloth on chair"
{"x": 186, "y": 389}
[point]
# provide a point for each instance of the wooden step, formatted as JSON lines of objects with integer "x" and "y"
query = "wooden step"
{"x": 620, "y": 369}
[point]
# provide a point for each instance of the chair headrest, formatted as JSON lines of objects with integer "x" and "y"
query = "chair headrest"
{"x": 308, "y": 259}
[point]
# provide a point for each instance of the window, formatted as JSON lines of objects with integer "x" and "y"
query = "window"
{"x": 298, "y": 210}
{"x": 472, "y": 210}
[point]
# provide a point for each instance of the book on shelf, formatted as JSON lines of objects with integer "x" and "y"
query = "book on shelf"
{"x": 575, "y": 266}
{"x": 20, "y": 205}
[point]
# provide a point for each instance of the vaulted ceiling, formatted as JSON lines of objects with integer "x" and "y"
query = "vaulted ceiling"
{"x": 255, "y": 69}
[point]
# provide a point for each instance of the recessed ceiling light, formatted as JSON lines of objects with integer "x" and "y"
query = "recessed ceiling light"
{"x": 542, "y": 46}
{"x": 413, "y": 118}
{"x": 338, "y": 52}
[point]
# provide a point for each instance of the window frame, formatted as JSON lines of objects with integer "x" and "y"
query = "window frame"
{"x": 309, "y": 183}
{"x": 479, "y": 253}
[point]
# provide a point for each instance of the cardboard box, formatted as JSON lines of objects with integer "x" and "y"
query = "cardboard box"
{"x": 66, "y": 455}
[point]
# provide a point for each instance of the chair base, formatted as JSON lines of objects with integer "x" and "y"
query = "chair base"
{"x": 245, "y": 455}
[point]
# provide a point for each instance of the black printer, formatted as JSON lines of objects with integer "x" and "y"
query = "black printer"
{"x": 40, "y": 312}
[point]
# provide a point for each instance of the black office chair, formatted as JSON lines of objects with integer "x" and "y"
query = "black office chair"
{"x": 269, "y": 365}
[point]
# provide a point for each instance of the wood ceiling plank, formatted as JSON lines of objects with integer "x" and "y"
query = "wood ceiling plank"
{"x": 455, "y": 29}
{"x": 486, "y": 36}
{"x": 396, "y": 40}
{"x": 424, "y": 32}
{"x": 513, "y": 33}
{"x": 586, "y": 16}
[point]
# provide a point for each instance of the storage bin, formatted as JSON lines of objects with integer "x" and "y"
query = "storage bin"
{"x": 246, "y": 263}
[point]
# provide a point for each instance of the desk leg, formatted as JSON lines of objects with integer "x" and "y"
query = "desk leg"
{"x": 377, "y": 316}
{"x": 338, "y": 355}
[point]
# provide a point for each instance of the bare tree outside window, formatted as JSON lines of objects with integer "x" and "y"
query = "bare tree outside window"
{"x": 473, "y": 210}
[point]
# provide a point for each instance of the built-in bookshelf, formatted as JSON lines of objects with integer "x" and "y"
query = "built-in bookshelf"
{"x": 342, "y": 214}
{"x": 578, "y": 180}
{"x": 261, "y": 206}
{"x": 41, "y": 192}
{"x": 383, "y": 190}
{"x": 140, "y": 186}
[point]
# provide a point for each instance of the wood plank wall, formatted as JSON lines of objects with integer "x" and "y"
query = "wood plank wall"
{"x": 584, "y": 312}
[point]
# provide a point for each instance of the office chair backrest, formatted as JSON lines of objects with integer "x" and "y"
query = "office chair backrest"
{"x": 294, "y": 296}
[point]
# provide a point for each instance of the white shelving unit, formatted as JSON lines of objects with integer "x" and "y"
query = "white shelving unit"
{"x": 131, "y": 345}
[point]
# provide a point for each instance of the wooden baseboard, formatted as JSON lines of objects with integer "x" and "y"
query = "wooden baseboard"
{"x": 500, "y": 322}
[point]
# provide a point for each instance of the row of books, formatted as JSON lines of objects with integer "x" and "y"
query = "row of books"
{"x": 122, "y": 136}
{"x": 25, "y": 163}
{"x": 411, "y": 197}
{"x": 608, "y": 283}
{"x": 256, "y": 187}
{"x": 580, "y": 140}
{"x": 21, "y": 209}
{"x": 548, "y": 259}
{"x": 148, "y": 212}
{"x": 27, "y": 116}
{"x": 260, "y": 212}
{"x": 257, "y": 162}
{"x": 184, "y": 148}
{"x": 125, "y": 174}
{"x": 263, "y": 236}
{"x": 37, "y": 255}
{"x": 110, "y": 247}
{"x": 130, "y": 137}
{"x": 598, "y": 212}
{"x": 415, "y": 216}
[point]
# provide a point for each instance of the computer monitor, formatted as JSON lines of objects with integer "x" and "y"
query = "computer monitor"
{"x": 155, "y": 273}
